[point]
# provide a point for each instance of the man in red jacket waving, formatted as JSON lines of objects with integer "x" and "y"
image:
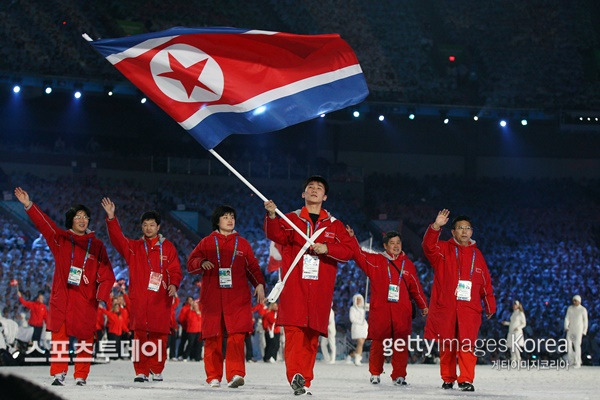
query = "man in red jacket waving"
{"x": 461, "y": 282}
{"x": 38, "y": 314}
{"x": 305, "y": 301}
{"x": 154, "y": 276}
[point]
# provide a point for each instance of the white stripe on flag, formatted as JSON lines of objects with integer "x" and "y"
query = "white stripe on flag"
{"x": 272, "y": 95}
{"x": 138, "y": 49}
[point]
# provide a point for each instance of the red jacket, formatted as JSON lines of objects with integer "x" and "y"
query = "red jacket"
{"x": 194, "y": 321}
{"x": 388, "y": 319}
{"x": 150, "y": 310}
{"x": 75, "y": 306}
{"x": 303, "y": 302}
{"x": 233, "y": 305}
{"x": 269, "y": 321}
{"x": 38, "y": 312}
{"x": 114, "y": 322}
{"x": 183, "y": 316}
{"x": 173, "y": 322}
{"x": 446, "y": 312}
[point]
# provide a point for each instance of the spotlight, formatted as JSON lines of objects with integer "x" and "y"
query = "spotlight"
{"x": 110, "y": 93}
{"x": 381, "y": 117}
{"x": 523, "y": 122}
{"x": 77, "y": 94}
{"x": 446, "y": 120}
{"x": 322, "y": 115}
{"x": 502, "y": 123}
{"x": 16, "y": 89}
{"x": 411, "y": 116}
{"x": 143, "y": 100}
{"x": 259, "y": 110}
{"x": 48, "y": 90}
{"x": 356, "y": 114}
{"x": 475, "y": 118}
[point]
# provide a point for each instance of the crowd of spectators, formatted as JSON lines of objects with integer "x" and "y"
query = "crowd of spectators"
{"x": 539, "y": 237}
{"x": 518, "y": 54}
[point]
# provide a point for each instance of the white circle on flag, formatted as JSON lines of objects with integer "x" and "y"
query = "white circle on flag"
{"x": 209, "y": 84}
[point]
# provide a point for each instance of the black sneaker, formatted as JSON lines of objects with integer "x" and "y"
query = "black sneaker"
{"x": 466, "y": 387}
{"x": 80, "y": 382}
{"x": 297, "y": 384}
{"x": 447, "y": 385}
{"x": 140, "y": 378}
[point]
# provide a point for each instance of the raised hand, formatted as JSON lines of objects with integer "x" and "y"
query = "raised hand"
{"x": 350, "y": 231}
{"x": 270, "y": 206}
{"x": 441, "y": 219}
{"x": 109, "y": 207}
{"x": 22, "y": 196}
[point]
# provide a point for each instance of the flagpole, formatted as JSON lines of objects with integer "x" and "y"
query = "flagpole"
{"x": 259, "y": 194}
{"x": 367, "y": 284}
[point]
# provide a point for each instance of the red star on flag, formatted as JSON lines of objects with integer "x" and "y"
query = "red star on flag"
{"x": 189, "y": 77}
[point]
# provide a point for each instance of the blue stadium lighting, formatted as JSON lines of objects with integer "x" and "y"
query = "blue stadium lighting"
{"x": 143, "y": 100}
{"x": 16, "y": 89}
{"x": 322, "y": 115}
{"x": 381, "y": 117}
{"x": 446, "y": 120}
{"x": 48, "y": 90}
{"x": 411, "y": 116}
{"x": 77, "y": 94}
{"x": 260, "y": 110}
{"x": 356, "y": 114}
{"x": 524, "y": 122}
{"x": 503, "y": 123}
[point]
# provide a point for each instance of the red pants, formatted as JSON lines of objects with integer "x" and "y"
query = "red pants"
{"x": 59, "y": 354}
{"x": 466, "y": 364}
{"x": 376, "y": 359}
{"x": 300, "y": 352}
{"x": 150, "y": 352}
{"x": 235, "y": 357}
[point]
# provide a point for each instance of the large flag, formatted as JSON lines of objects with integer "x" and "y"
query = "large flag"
{"x": 219, "y": 81}
{"x": 275, "y": 258}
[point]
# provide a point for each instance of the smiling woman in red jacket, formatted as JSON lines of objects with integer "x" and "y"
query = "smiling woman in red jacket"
{"x": 227, "y": 263}
{"x": 83, "y": 276}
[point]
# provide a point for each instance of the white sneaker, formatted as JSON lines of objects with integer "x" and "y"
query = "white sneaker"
{"x": 349, "y": 359}
{"x": 140, "y": 378}
{"x": 80, "y": 381}
{"x": 59, "y": 379}
{"x": 375, "y": 379}
{"x": 272, "y": 360}
{"x": 157, "y": 377}
{"x": 331, "y": 362}
{"x": 215, "y": 383}
{"x": 400, "y": 381}
{"x": 236, "y": 381}
{"x": 357, "y": 360}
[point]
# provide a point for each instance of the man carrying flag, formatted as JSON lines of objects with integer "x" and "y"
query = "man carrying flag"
{"x": 305, "y": 301}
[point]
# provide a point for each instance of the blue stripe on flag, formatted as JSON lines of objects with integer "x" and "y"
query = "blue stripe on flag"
{"x": 283, "y": 112}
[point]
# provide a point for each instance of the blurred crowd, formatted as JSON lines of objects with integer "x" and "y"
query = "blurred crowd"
{"x": 540, "y": 238}
{"x": 507, "y": 54}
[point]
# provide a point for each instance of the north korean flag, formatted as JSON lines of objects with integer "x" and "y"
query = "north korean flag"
{"x": 219, "y": 81}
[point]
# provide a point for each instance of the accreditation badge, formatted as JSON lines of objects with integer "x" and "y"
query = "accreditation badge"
{"x": 393, "y": 293}
{"x": 225, "y": 278}
{"x": 310, "y": 267}
{"x": 75, "y": 275}
{"x": 463, "y": 290}
{"x": 155, "y": 280}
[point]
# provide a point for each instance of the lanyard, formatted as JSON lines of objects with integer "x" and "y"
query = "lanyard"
{"x": 400, "y": 272}
{"x": 219, "y": 253}
{"x": 148, "y": 255}
{"x": 472, "y": 264}
{"x": 87, "y": 252}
